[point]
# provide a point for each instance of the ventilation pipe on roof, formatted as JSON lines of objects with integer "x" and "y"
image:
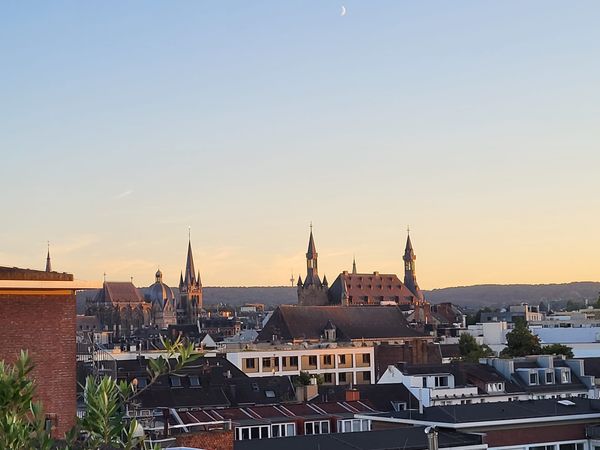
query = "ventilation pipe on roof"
{"x": 432, "y": 438}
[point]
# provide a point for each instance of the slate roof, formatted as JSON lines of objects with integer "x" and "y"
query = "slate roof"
{"x": 376, "y": 396}
{"x": 486, "y": 412}
{"x": 375, "y": 286}
{"x": 352, "y": 323}
{"x": 118, "y": 293}
{"x": 412, "y": 438}
{"x": 221, "y": 384}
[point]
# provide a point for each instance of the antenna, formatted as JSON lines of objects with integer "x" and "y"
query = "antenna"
{"x": 292, "y": 278}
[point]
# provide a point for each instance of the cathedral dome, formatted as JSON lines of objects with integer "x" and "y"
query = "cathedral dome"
{"x": 159, "y": 291}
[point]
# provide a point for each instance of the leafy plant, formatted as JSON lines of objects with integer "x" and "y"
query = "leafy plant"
{"x": 105, "y": 424}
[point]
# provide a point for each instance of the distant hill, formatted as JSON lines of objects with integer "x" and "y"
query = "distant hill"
{"x": 493, "y": 295}
{"x": 496, "y": 295}
{"x": 276, "y": 295}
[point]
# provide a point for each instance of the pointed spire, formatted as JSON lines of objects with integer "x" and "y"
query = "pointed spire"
{"x": 198, "y": 279}
{"x": 325, "y": 283}
{"x": 354, "y": 265}
{"x": 409, "y": 247}
{"x": 48, "y": 263}
{"x": 190, "y": 277}
{"x": 181, "y": 279}
{"x": 311, "y": 253}
{"x": 299, "y": 280}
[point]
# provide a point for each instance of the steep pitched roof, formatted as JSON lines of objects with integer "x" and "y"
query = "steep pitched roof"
{"x": 375, "y": 287}
{"x": 312, "y": 250}
{"x": 118, "y": 292}
{"x": 352, "y": 323}
{"x": 190, "y": 277}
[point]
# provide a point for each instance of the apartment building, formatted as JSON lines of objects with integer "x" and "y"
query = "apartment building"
{"x": 336, "y": 364}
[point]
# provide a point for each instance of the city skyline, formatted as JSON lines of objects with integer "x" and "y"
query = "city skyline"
{"x": 474, "y": 123}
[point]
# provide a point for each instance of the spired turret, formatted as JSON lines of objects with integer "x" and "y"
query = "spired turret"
{"x": 312, "y": 292}
{"x": 190, "y": 288}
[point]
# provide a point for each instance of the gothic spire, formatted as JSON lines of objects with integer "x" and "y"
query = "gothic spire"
{"x": 299, "y": 280}
{"x": 311, "y": 253}
{"x": 190, "y": 277}
{"x": 181, "y": 279}
{"x": 48, "y": 263}
{"x": 354, "y": 265}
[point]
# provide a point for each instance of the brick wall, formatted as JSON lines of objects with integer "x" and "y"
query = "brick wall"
{"x": 531, "y": 434}
{"x": 45, "y": 326}
{"x": 208, "y": 440}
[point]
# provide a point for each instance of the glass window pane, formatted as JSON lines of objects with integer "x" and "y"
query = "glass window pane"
{"x": 325, "y": 427}
{"x": 291, "y": 430}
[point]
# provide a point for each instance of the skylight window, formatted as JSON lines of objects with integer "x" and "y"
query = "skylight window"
{"x": 270, "y": 394}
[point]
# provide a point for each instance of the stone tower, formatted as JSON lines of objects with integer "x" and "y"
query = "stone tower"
{"x": 410, "y": 276}
{"x": 190, "y": 289}
{"x": 312, "y": 292}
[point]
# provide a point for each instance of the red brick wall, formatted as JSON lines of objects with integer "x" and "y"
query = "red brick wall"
{"x": 209, "y": 440}
{"x": 45, "y": 326}
{"x": 532, "y": 434}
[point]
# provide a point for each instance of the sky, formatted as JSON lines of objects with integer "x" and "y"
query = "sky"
{"x": 477, "y": 124}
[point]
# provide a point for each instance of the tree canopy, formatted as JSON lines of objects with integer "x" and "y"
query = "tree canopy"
{"x": 470, "y": 350}
{"x": 521, "y": 342}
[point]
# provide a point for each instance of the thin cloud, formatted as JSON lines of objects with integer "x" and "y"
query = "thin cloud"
{"x": 123, "y": 194}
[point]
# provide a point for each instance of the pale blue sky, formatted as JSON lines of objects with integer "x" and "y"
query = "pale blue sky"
{"x": 477, "y": 123}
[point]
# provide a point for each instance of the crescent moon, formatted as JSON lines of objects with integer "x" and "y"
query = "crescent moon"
{"x": 343, "y": 13}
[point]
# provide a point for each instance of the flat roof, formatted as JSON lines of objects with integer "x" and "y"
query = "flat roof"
{"x": 412, "y": 438}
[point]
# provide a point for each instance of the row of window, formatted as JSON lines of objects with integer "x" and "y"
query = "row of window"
{"x": 311, "y": 427}
{"x": 292, "y": 361}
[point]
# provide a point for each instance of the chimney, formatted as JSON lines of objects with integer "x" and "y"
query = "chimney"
{"x": 352, "y": 395}
{"x": 432, "y": 438}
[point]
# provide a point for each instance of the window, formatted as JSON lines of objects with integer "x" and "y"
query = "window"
{"x": 353, "y": 425}
{"x": 283, "y": 429}
{"x": 142, "y": 382}
{"x": 328, "y": 378}
{"x": 366, "y": 358}
{"x": 366, "y": 376}
{"x": 441, "y": 381}
{"x": 533, "y": 378}
{"x": 293, "y": 361}
{"x": 400, "y": 406}
{"x": 571, "y": 446}
{"x": 270, "y": 394}
{"x": 542, "y": 447}
{"x": 266, "y": 362}
{"x": 258, "y": 432}
{"x": 316, "y": 427}
{"x": 565, "y": 377}
{"x": 549, "y": 378}
{"x": 327, "y": 360}
{"x": 342, "y": 377}
{"x": 312, "y": 360}
{"x": 249, "y": 363}
{"x": 424, "y": 382}
{"x": 194, "y": 380}
{"x": 342, "y": 359}
{"x": 175, "y": 381}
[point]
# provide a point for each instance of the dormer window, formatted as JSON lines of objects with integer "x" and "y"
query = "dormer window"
{"x": 533, "y": 378}
{"x": 549, "y": 378}
{"x": 565, "y": 377}
{"x": 194, "y": 381}
{"x": 175, "y": 381}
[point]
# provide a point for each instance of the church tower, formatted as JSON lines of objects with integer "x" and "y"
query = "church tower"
{"x": 410, "y": 276}
{"x": 312, "y": 292}
{"x": 190, "y": 289}
{"x": 48, "y": 263}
